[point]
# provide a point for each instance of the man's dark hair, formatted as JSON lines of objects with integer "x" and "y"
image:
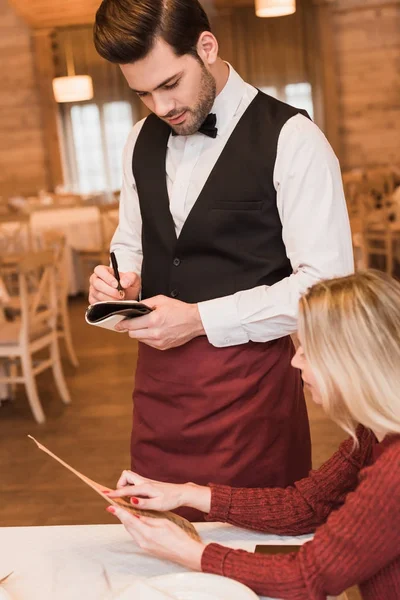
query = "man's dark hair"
{"x": 125, "y": 30}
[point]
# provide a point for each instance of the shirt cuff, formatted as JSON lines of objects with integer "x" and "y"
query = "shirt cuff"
{"x": 126, "y": 263}
{"x": 213, "y": 558}
{"x": 221, "y": 322}
{"x": 221, "y": 497}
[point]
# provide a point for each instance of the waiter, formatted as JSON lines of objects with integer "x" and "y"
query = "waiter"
{"x": 231, "y": 206}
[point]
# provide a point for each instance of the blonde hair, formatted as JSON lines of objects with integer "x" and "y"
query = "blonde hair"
{"x": 350, "y": 331}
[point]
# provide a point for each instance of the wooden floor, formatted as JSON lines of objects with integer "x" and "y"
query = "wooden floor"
{"x": 92, "y": 434}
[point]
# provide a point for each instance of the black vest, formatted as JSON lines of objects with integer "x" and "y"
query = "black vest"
{"x": 232, "y": 238}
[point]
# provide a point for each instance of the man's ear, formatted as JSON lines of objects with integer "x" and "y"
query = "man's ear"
{"x": 207, "y": 48}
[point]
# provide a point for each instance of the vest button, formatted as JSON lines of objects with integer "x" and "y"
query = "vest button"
{"x": 174, "y": 293}
{"x": 176, "y": 262}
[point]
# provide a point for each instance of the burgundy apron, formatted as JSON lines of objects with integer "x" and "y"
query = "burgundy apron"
{"x": 232, "y": 415}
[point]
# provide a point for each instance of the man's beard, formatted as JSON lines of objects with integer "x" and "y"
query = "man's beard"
{"x": 197, "y": 115}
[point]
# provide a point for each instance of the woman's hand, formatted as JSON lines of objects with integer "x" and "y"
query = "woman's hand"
{"x": 147, "y": 494}
{"x": 161, "y": 538}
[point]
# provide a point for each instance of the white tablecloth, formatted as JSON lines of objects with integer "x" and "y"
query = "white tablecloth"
{"x": 95, "y": 562}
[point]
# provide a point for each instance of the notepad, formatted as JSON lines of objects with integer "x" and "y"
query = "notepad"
{"x": 107, "y": 314}
{"x": 124, "y": 502}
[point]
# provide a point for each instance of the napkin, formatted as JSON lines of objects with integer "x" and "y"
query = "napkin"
{"x": 142, "y": 590}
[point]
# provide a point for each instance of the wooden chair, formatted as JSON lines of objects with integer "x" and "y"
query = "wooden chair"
{"x": 35, "y": 330}
{"x": 379, "y": 234}
{"x": 108, "y": 215}
{"x": 354, "y": 190}
{"x": 55, "y": 241}
{"x": 15, "y": 234}
{"x": 15, "y": 239}
{"x": 380, "y": 182}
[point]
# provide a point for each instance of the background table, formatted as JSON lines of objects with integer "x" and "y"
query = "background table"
{"x": 95, "y": 562}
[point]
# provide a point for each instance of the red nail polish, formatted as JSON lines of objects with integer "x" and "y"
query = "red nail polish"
{"x": 134, "y": 501}
{"x": 111, "y": 510}
{"x": 105, "y": 491}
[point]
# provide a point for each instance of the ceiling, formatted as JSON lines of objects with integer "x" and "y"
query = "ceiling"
{"x": 60, "y": 13}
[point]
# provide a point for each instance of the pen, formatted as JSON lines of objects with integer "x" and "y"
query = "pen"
{"x": 116, "y": 274}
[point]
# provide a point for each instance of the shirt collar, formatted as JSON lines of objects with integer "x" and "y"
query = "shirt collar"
{"x": 228, "y": 100}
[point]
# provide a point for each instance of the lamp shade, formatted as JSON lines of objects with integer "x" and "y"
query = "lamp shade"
{"x": 275, "y": 8}
{"x": 73, "y": 89}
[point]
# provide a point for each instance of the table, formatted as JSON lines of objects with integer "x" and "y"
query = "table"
{"x": 96, "y": 562}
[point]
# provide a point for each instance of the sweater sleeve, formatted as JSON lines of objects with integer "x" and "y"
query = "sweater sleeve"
{"x": 300, "y": 508}
{"x": 357, "y": 541}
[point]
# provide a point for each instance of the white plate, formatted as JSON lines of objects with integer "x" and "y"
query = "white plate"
{"x": 202, "y": 586}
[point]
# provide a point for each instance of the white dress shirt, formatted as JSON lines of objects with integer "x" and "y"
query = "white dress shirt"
{"x": 311, "y": 206}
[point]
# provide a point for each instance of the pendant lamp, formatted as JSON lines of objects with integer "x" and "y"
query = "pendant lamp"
{"x": 73, "y": 88}
{"x": 275, "y": 8}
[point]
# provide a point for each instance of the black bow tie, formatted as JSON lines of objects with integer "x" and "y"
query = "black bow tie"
{"x": 208, "y": 128}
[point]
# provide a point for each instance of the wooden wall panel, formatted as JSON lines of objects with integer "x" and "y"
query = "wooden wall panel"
{"x": 22, "y": 164}
{"x": 351, "y": 5}
{"x": 45, "y": 72}
{"x": 368, "y": 56}
{"x": 56, "y": 13}
{"x": 61, "y": 13}
{"x": 363, "y": 67}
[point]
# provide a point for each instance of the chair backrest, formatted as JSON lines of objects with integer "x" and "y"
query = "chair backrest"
{"x": 37, "y": 288}
{"x": 15, "y": 234}
{"x": 380, "y": 181}
{"x": 56, "y": 242}
{"x": 377, "y": 233}
{"x": 354, "y": 190}
{"x": 109, "y": 217}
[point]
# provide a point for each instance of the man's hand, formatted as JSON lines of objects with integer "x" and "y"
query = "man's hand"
{"x": 172, "y": 323}
{"x": 103, "y": 285}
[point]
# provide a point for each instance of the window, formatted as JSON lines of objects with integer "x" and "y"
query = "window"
{"x": 296, "y": 94}
{"x": 94, "y": 137}
{"x": 300, "y": 96}
{"x": 118, "y": 122}
{"x": 271, "y": 91}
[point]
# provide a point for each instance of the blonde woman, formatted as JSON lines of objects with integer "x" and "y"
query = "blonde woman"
{"x": 349, "y": 329}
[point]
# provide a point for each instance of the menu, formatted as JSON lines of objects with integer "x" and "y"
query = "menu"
{"x": 124, "y": 503}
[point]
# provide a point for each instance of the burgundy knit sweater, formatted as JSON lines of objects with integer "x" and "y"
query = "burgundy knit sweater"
{"x": 353, "y": 502}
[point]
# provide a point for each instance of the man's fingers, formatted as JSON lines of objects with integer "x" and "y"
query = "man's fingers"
{"x": 106, "y": 274}
{"x": 101, "y": 287}
{"x": 138, "y": 323}
{"x": 101, "y": 297}
{"x": 128, "y": 279}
